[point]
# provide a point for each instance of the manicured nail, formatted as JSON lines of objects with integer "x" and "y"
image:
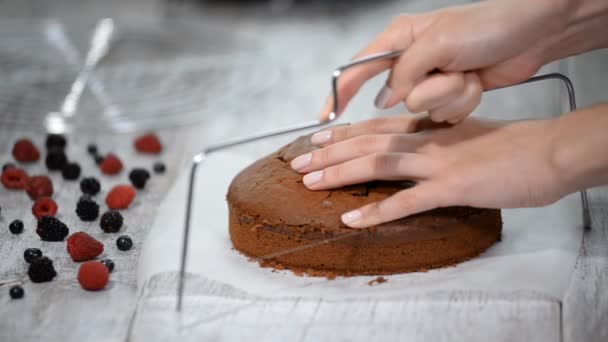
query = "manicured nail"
{"x": 312, "y": 178}
{"x": 384, "y": 95}
{"x": 351, "y": 216}
{"x": 301, "y": 161}
{"x": 320, "y": 137}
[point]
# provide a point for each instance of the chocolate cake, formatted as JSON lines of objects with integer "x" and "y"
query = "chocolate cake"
{"x": 271, "y": 211}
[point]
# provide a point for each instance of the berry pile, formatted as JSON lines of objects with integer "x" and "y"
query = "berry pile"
{"x": 82, "y": 247}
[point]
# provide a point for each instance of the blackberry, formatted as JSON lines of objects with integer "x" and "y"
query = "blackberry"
{"x": 139, "y": 177}
{"x": 41, "y": 270}
{"x": 99, "y": 159}
{"x": 31, "y": 253}
{"x": 109, "y": 264}
{"x": 55, "y": 160}
{"x": 124, "y": 243}
{"x": 90, "y": 186}
{"x": 87, "y": 209}
{"x": 70, "y": 171}
{"x": 16, "y": 227}
{"x": 16, "y": 292}
{"x": 51, "y": 229}
{"x": 159, "y": 167}
{"x": 7, "y": 166}
{"x": 111, "y": 221}
{"x": 92, "y": 149}
{"x": 55, "y": 142}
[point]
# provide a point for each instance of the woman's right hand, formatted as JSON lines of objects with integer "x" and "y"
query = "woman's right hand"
{"x": 453, "y": 54}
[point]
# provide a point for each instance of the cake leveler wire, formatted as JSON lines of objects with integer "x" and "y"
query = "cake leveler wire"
{"x": 201, "y": 156}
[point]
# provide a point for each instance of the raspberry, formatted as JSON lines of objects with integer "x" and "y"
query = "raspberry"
{"x": 83, "y": 247}
{"x": 25, "y": 151}
{"x": 120, "y": 197}
{"x": 41, "y": 270}
{"x": 7, "y": 166}
{"x": 90, "y": 186}
{"x": 139, "y": 177}
{"x": 31, "y": 253}
{"x": 70, "y": 171}
{"x": 44, "y": 206}
{"x": 55, "y": 142}
{"x": 111, "y": 221}
{"x": 14, "y": 178}
{"x": 39, "y": 186}
{"x": 124, "y": 243}
{"x": 87, "y": 209}
{"x": 55, "y": 160}
{"x": 51, "y": 229}
{"x": 93, "y": 275}
{"x": 159, "y": 167}
{"x": 16, "y": 227}
{"x": 148, "y": 143}
{"x": 111, "y": 165}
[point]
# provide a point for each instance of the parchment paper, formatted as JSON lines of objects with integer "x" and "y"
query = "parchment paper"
{"x": 537, "y": 252}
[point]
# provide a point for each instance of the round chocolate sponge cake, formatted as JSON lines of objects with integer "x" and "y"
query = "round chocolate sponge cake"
{"x": 272, "y": 212}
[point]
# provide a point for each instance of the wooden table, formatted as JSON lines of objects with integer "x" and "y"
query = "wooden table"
{"x": 303, "y": 48}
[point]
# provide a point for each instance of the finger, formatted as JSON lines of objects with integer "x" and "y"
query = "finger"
{"x": 422, "y": 197}
{"x": 386, "y": 125}
{"x": 378, "y": 166}
{"x": 461, "y": 107}
{"x": 357, "y": 147}
{"x": 397, "y": 36}
{"x": 435, "y": 91}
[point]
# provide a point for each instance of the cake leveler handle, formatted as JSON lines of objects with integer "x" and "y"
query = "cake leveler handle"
{"x": 201, "y": 156}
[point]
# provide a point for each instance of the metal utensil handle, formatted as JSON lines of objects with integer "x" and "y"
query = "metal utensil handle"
{"x": 201, "y": 156}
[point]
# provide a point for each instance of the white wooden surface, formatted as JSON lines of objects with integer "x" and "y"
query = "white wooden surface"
{"x": 61, "y": 311}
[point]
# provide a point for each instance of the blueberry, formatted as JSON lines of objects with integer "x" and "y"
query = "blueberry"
{"x": 109, "y": 264}
{"x": 31, "y": 254}
{"x": 159, "y": 167}
{"x": 124, "y": 243}
{"x": 16, "y": 292}
{"x": 7, "y": 166}
{"x": 92, "y": 149}
{"x": 16, "y": 227}
{"x": 99, "y": 159}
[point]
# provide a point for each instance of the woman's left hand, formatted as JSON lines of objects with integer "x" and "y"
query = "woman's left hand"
{"x": 476, "y": 163}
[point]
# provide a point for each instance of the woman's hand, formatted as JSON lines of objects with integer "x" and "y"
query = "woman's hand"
{"x": 453, "y": 54}
{"x": 476, "y": 163}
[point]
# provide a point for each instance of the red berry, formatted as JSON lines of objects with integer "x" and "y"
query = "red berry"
{"x": 111, "y": 165}
{"x": 24, "y": 151}
{"x": 44, "y": 206}
{"x": 120, "y": 197}
{"x": 93, "y": 275}
{"x": 14, "y": 178}
{"x": 148, "y": 143}
{"x": 83, "y": 247}
{"x": 39, "y": 186}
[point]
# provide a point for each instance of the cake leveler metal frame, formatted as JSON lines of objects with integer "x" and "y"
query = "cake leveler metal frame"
{"x": 200, "y": 157}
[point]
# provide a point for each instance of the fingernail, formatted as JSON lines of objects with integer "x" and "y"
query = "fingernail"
{"x": 351, "y": 216}
{"x": 301, "y": 161}
{"x": 384, "y": 95}
{"x": 320, "y": 137}
{"x": 312, "y": 178}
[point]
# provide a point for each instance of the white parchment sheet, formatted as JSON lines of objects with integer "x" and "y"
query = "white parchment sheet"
{"x": 537, "y": 253}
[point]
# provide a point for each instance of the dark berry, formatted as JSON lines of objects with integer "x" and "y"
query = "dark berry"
{"x": 55, "y": 142}
{"x": 16, "y": 292}
{"x": 31, "y": 253}
{"x": 124, "y": 243}
{"x": 87, "y": 209}
{"x": 90, "y": 186}
{"x": 16, "y": 227}
{"x": 70, "y": 171}
{"x": 92, "y": 149}
{"x": 109, "y": 264}
{"x": 51, "y": 229}
{"x": 159, "y": 167}
{"x": 111, "y": 221}
{"x": 7, "y": 166}
{"x": 55, "y": 160}
{"x": 139, "y": 177}
{"x": 41, "y": 270}
{"x": 99, "y": 159}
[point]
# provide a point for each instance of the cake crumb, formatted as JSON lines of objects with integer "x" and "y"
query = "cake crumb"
{"x": 326, "y": 204}
{"x": 377, "y": 281}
